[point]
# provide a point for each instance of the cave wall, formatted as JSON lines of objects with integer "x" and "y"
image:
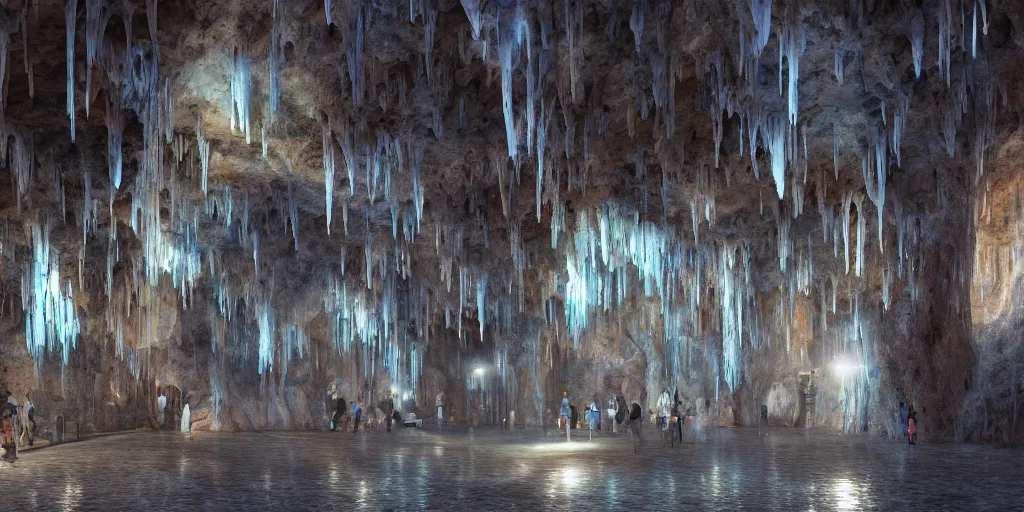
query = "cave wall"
{"x": 221, "y": 185}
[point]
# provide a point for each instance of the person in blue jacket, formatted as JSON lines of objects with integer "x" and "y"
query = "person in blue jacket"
{"x": 565, "y": 411}
{"x": 357, "y": 415}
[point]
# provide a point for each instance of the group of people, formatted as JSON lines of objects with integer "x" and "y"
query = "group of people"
{"x": 388, "y": 410}
{"x": 342, "y": 415}
{"x": 617, "y": 410}
{"x": 670, "y": 415}
{"x": 12, "y": 425}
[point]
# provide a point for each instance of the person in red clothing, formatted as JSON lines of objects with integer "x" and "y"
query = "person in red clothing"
{"x": 912, "y": 426}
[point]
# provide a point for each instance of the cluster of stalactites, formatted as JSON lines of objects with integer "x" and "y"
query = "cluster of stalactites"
{"x": 241, "y": 89}
{"x": 371, "y": 321}
{"x": 614, "y": 255}
{"x": 51, "y": 320}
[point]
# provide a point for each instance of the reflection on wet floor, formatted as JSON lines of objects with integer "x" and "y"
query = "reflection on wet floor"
{"x": 522, "y": 470}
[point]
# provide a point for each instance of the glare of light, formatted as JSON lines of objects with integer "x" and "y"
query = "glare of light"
{"x": 563, "y": 447}
{"x": 845, "y": 494}
{"x": 844, "y": 368}
{"x": 479, "y": 371}
{"x": 571, "y": 478}
{"x": 405, "y": 396}
{"x": 394, "y": 390}
{"x": 71, "y": 498}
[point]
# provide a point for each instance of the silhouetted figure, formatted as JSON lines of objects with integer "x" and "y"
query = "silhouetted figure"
{"x": 388, "y": 406}
{"x": 357, "y": 415}
{"x": 575, "y": 416}
{"x": 635, "y": 421}
{"x": 912, "y": 425}
{"x": 904, "y": 415}
{"x": 677, "y": 417}
{"x": 339, "y": 412}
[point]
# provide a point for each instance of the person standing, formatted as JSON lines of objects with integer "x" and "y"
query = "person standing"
{"x": 635, "y": 424}
{"x": 565, "y": 411}
{"x": 912, "y": 425}
{"x": 594, "y": 415}
{"x": 612, "y": 412}
{"x": 664, "y": 409}
{"x": 387, "y": 406}
{"x": 904, "y": 415}
{"x": 339, "y": 411}
{"x": 8, "y": 413}
{"x": 439, "y": 402}
{"x": 357, "y": 415}
{"x": 29, "y": 430}
{"x": 677, "y": 417}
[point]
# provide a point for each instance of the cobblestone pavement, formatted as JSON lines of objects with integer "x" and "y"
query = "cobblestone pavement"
{"x": 735, "y": 469}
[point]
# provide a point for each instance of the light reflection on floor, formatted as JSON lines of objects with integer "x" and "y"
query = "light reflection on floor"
{"x": 489, "y": 470}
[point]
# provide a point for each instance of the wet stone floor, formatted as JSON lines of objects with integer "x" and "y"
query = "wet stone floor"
{"x": 734, "y": 469}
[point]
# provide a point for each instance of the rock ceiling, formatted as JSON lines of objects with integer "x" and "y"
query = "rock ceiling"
{"x": 492, "y": 169}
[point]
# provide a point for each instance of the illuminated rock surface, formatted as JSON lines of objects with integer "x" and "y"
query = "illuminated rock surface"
{"x": 788, "y": 470}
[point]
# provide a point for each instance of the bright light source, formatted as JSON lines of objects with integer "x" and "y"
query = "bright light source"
{"x": 479, "y": 371}
{"x": 845, "y": 368}
{"x": 394, "y": 390}
{"x": 405, "y": 396}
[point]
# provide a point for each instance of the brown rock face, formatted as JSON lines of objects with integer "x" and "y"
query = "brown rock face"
{"x": 503, "y": 200}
